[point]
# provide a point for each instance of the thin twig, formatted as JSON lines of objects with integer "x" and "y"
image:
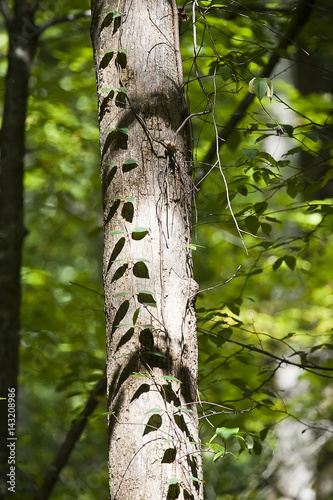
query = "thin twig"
{"x": 220, "y": 284}
{"x": 87, "y": 288}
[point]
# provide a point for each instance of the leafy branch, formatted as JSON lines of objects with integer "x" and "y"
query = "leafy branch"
{"x": 311, "y": 367}
{"x": 303, "y": 10}
{"x": 70, "y": 441}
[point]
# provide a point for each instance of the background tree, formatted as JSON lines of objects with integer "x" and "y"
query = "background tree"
{"x": 12, "y": 143}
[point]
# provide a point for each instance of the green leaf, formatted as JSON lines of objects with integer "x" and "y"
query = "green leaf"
{"x": 124, "y": 355}
{"x": 234, "y": 308}
{"x": 252, "y": 224}
{"x": 218, "y": 455}
{"x": 270, "y": 158}
{"x": 290, "y": 261}
{"x": 289, "y": 129}
{"x": 155, "y": 353}
{"x": 277, "y": 263}
{"x": 225, "y": 72}
{"x": 192, "y": 246}
{"x": 140, "y": 270}
{"x": 130, "y": 161}
{"x": 313, "y": 136}
{"x": 174, "y": 480}
{"x": 245, "y": 440}
{"x": 169, "y": 377}
{"x": 101, "y": 91}
{"x": 181, "y": 408}
{"x": 110, "y": 51}
{"x": 122, "y": 130}
{"x": 269, "y": 91}
{"x": 226, "y": 433}
{"x": 115, "y": 13}
{"x": 250, "y": 153}
{"x": 139, "y": 233}
{"x": 267, "y": 228}
{"x": 129, "y": 165}
{"x": 113, "y": 233}
{"x": 122, "y": 89}
{"x": 141, "y": 375}
{"x": 155, "y": 410}
{"x": 153, "y": 424}
{"x": 259, "y": 87}
{"x": 110, "y": 164}
{"x": 260, "y": 207}
{"x": 263, "y": 433}
{"x": 147, "y": 298}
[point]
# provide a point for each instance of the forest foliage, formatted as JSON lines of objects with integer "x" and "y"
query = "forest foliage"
{"x": 262, "y": 230}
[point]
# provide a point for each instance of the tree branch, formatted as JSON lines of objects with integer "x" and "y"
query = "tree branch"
{"x": 70, "y": 441}
{"x": 303, "y": 10}
{"x": 311, "y": 367}
{"x": 63, "y": 19}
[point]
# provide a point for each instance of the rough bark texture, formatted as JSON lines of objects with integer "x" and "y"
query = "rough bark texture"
{"x": 149, "y": 290}
{"x": 23, "y": 39}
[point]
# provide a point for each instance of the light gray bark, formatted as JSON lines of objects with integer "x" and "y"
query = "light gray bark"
{"x": 152, "y": 439}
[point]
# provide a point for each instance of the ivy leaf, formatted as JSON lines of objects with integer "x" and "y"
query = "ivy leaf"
{"x": 130, "y": 161}
{"x": 114, "y": 13}
{"x": 142, "y": 374}
{"x": 155, "y": 410}
{"x": 313, "y": 136}
{"x": 139, "y": 233}
{"x": 245, "y": 441}
{"x": 269, "y": 91}
{"x": 261, "y": 87}
{"x": 120, "y": 294}
{"x": 169, "y": 377}
{"x": 174, "y": 480}
{"x": 140, "y": 270}
{"x": 147, "y": 298}
{"x": 250, "y": 153}
{"x": 113, "y": 233}
{"x": 218, "y": 455}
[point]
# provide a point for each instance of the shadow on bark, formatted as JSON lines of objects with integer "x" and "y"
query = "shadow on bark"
{"x": 115, "y": 252}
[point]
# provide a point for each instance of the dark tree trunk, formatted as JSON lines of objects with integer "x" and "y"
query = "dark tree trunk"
{"x": 22, "y": 36}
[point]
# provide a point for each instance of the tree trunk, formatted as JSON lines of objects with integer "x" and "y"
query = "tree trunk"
{"x": 23, "y": 39}
{"x": 154, "y": 450}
